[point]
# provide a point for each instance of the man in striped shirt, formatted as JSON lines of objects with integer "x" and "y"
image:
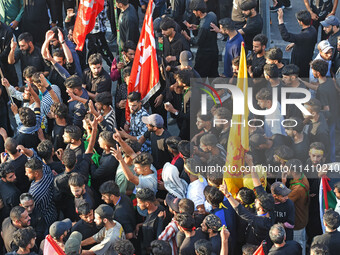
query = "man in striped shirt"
{"x": 41, "y": 186}
{"x": 104, "y": 106}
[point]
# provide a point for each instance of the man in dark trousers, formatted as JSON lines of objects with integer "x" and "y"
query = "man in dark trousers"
{"x": 303, "y": 43}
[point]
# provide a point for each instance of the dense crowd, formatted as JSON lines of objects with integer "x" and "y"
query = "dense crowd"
{"x": 93, "y": 169}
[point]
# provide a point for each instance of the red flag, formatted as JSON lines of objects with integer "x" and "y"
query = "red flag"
{"x": 260, "y": 251}
{"x": 51, "y": 247}
{"x": 144, "y": 76}
{"x": 88, "y": 11}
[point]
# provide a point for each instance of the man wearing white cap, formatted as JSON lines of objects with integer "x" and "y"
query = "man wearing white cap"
{"x": 331, "y": 28}
{"x": 325, "y": 54}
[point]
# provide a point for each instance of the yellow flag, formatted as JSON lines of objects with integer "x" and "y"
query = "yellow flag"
{"x": 238, "y": 143}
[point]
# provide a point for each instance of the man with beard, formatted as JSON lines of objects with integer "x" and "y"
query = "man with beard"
{"x": 9, "y": 192}
{"x": 104, "y": 107}
{"x": 211, "y": 225}
{"x": 81, "y": 192}
{"x": 331, "y": 28}
{"x": 19, "y": 218}
{"x": 96, "y": 79}
{"x": 37, "y": 221}
{"x": 259, "y": 50}
{"x": 325, "y": 54}
{"x": 137, "y": 127}
{"x": 29, "y": 55}
{"x": 110, "y": 231}
{"x": 122, "y": 205}
{"x": 86, "y": 225}
{"x": 253, "y": 25}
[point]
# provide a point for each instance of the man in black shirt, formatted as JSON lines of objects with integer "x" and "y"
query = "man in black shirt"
{"x": 19, "y": 218}
{"x": 96, "y": 79}
{"x": 9, "y": 193}
{"x": 73, "y": 138}
{"x": 254, "y": 23}
{"x": 259, "y": 49}
{"x": 153, "y": 225}
{"x": 303, "y": 43}
{"x": 331, "y": 238}
{"x": 123, "y": 208}
{"x": 157, "y": 134}
{"x": 206, "y": 62}
{"x": 186, "y": 224}
{"x": 17, "y": 162}
{"x": 29, "y": 55}
{"x": 277, "y": 235}
{"x": 211, "y": 225}
{"x": 86, "y": 225}
{"x": 81, "y": 192}
{"x": 300, "y": 143}
{"x": 331, "y": 28}
{"x": 37, "y": 220}
{"x": 59, "y": 114}
{"x": 45, "y": 151}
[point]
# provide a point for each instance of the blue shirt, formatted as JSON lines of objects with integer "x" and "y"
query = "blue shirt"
{"x": 232, "y": 50}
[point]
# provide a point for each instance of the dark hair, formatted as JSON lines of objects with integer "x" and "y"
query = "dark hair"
{"x": 320, "y": 66}
{"x": 267, "y": 202}
{"x": 126, "y": 72}
{"x": 247, "y": 195}
{"x": 5, "y": 169}
{"x": 291, "y": 69}
{"x": 299, "y": 124}
{"x": 60, "y": 110}
{"x": 172, "y": 142}
{"x": 205, "y": 117}
{"x": 124, "y": 2}
{"x": 74, "y": 132}
{"x": 274, "y": 54}
{"x": 264, "y": 94}
{"x": 129, "y": 45}
{"x": 27, "y": 37}
{"x": 331, "y": 219}
{"x": 294, "y": 165}
{"x": 59, "y": 54}
{"x": 271, "y": 70}
{"x": 209, "y": 140}
{"x": 185, "y": 220}
{"x": 186, "y": 205}
{"x": 248, "y": 249}
{"x": 227, "y": 23}
{"x": 213, "y": 195}
{"x": 263, "y": 39}
{"x": 135, "y": 145}
{"x": 284, "y": 152}
{"x": 185, "y": 148}
{"x": 73, "y": 82}
{"x": 146, "y": 195}
{"x": 29, "y": 71}
{"x": 16, "y": 212}
{"x": 23, "y": 236}
{"x": 167, "y": 23}
{"x": 317, "y": 146}
{"x": 95, "y": 59}
{"x": 69, "y": 158}
{"x": 84, "y": 208}
{"x": 160, "y": 247}
{"x": 55, "y": 30}
{"x": 193, "y": 164}
{"x": 107, "y": 136}
{"x": 248, "y": 5}
{"x": 104, "y": 98}
{"x": 45, "y": 149}
{"x": 123, "y": 247}
{"x": 277, "y": 233}
{"x": 315, "y": 105}
{"x": 319, "y": 249}
{"x": 25, "y": 197}
{"x": 198, "y": 5}
{"x": 76, "y": 180}
{"x": 35, "y": 164}
{"x": 223, "y": 113}
{"x": 203, "y": 247}
{"x": 134, "y": 96}
{"x": 27, "y": 117}
{"x": 304, "y": 16}
{"x": 109, "y": 187}
{"x": 36, "y": 77}
{"x": 184, "y": 76}
{"x": 11, "y": 145}
{"x": 144, "y": 159}
{"x": 215, "y": 177}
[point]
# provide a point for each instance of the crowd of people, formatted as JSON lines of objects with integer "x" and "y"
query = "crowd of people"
{"x": 78, "y": 171}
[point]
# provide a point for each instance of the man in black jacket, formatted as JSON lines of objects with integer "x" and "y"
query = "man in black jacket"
{"x": 331, "y": 238}
{"x": 277, "y": 235}
{"x": 303, "y": 43}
